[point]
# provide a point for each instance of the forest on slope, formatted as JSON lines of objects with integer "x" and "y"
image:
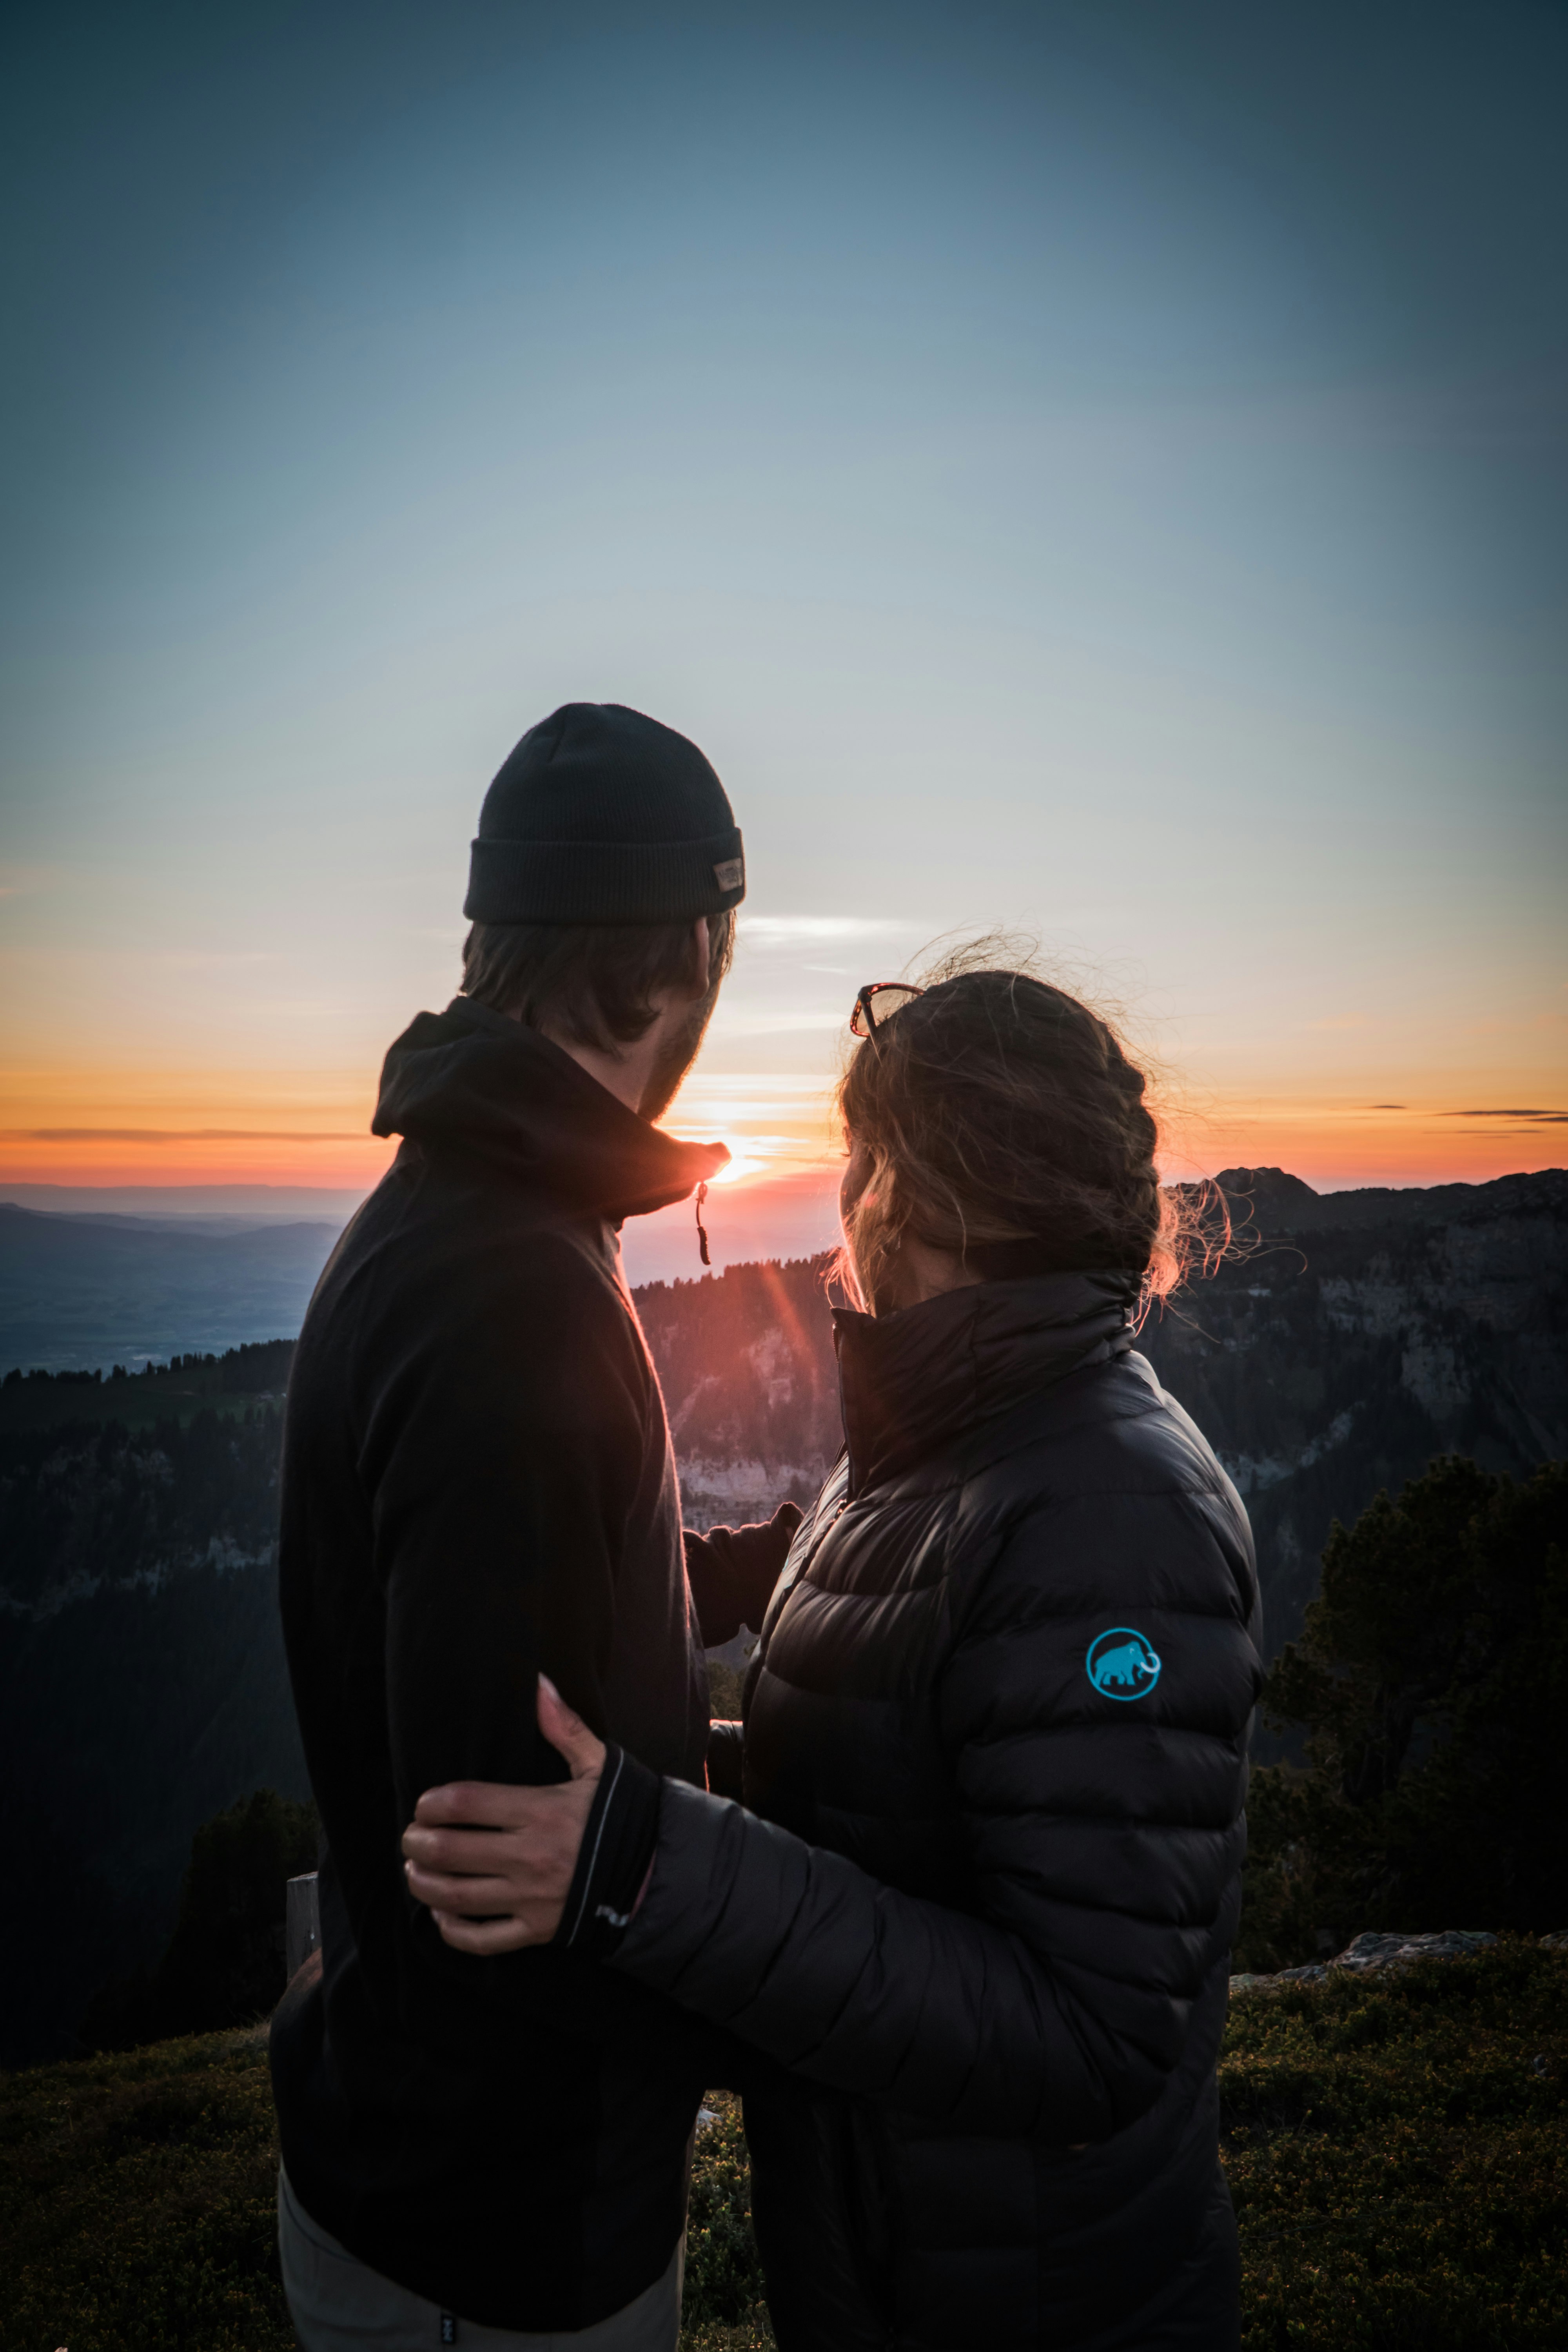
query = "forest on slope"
{"x": 143, "y": 1686}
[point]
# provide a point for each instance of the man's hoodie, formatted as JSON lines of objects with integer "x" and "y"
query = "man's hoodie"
{"x": 478, "y": 1484}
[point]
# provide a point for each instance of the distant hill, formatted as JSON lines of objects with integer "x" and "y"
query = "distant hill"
{"x": 1276, "y": 1202}
{"x": 80, "y": 1291}
{"x": 277, "y": 1204}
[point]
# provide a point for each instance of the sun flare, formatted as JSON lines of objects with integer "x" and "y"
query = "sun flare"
{"x": 739, "y": 1163}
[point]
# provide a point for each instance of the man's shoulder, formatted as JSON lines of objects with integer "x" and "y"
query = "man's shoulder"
{"x": 425, "y": 1268}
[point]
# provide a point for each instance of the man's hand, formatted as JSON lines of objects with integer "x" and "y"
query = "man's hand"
{"x": 495, "y": 1863}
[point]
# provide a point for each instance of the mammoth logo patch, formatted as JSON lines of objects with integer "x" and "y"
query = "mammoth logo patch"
{"x": 1123, "y": 1664}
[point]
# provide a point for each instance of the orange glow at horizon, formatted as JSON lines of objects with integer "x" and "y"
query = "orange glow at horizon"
{"x": 65, "y": 1125}
{"x": 127, "y": 1127}
{"x": 1334, "y": 1142}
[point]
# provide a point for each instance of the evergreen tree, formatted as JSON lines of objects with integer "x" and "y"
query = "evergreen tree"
{"x": 1431, "y": 1679}
{"x": 224, "y": 1965}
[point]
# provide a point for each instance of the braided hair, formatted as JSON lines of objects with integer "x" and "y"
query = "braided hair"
{"x": 1001, "y": 1120}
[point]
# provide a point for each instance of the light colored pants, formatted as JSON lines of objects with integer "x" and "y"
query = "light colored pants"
{"x": 338, "y": 2303}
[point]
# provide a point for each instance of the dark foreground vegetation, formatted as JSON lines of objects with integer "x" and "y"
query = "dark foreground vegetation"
{"x": 223, "y": 1962}
{"x": 1397, "y": 2147}
{"x": 1431, "y": 1680}
{"x": 142, "y": 1687}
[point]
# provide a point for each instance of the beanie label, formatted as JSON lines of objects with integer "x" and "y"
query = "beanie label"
{"x": 731, "y": 874}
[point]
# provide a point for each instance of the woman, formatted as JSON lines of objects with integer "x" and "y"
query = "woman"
{"x": 977, "y": 1907}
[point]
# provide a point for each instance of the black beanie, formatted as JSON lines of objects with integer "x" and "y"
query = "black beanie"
{"x": 601, "y": 815}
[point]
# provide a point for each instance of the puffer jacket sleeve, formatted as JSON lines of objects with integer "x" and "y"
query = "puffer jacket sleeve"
{"x": 1105, "y": 1839}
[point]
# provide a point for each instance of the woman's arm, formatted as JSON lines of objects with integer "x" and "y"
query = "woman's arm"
{"x": 1105, "y": 1841}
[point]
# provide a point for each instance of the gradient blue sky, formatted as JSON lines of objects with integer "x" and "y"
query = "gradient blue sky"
{"x": 1099, "y": 469}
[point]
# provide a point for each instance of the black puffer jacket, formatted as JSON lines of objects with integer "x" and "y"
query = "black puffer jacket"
{"x": 997, "y": 1741}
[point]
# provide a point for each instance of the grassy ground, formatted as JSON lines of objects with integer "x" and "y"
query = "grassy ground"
{"x": 1397, "y": 2148}
{"x": 136, "y": 2203}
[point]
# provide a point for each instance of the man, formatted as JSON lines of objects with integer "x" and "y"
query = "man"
{"x": 478, "y": 1486}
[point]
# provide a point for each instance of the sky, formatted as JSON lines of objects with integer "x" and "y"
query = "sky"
{"x": 1099, "y": 471}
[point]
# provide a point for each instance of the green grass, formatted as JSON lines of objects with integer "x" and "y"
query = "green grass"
{"x": 1397, "y": 2148}
{"x": 137, "y": 2202}
{"x": 138, "y": 2208}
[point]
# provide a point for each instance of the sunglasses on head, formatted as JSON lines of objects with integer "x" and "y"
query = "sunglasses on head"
{"x": 877, "y": 1003}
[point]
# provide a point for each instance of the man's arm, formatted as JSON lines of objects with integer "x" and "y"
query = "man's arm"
{"x": 503, "y": 1467}
{"x": 501, "y": 1474}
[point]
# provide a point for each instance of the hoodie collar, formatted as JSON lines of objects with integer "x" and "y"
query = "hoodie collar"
{"x": 471, "y": 1079}
{"x": 914, "y": 1380}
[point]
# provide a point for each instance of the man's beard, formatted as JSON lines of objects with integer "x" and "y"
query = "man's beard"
{"x": 677, "y": 1055}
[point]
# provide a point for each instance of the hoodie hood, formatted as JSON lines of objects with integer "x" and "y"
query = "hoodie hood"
{"x": 914, "y": 1380}
{"x": 471, "y": 1080}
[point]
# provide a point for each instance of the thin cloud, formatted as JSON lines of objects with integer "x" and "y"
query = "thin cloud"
{"x": 1553, "y": 1117}
{"x": 767, "y": 931}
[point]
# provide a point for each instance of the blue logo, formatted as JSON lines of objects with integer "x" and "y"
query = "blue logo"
{"x": 1122, "y": 1663}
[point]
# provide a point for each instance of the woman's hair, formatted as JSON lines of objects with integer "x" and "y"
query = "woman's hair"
{"x": 1003, "y": 1121}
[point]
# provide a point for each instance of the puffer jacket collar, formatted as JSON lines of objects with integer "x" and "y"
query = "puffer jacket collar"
{"x": 472, "y": 1079}
{"x": 917, "y": 1379}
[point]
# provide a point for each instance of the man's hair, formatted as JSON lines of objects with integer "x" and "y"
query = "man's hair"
{"x": 1003, "y": 1121}
{"x": 590, "y": 983}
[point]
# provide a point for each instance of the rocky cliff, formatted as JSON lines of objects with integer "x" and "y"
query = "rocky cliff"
{"x": 1354, "y": 1335}
{"x": 751, "y": 1385}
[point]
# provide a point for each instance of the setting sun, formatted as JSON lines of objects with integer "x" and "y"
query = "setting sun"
{"x": 739, "y": 1165}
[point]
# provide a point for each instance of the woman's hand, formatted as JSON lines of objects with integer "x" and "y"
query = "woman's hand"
{"x": 495, "y": 1863}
